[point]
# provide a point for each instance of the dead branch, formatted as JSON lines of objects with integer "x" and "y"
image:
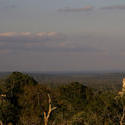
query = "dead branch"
{"x": 47, "y": 115}
{"x": 123, "y": 116}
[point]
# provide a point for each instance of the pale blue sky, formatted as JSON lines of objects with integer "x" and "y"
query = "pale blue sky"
{"x": 74, "y": 35}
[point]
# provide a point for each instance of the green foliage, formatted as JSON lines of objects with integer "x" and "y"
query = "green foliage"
{"x": 77, "y": 94}
{"x": 8, "y": 112}
{"x": 12, "y": 88}
{"x": 76, "y": 104}
{"x": 17, "y": 80}
{"x": 34, "y": 102}
{"x": 15, "y": 83}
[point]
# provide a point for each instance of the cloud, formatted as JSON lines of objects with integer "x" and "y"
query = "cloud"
{"x": 53, "y": 50}
{"x": 39, "y": 34}
{"x": 5, "y": 51}
{"x": 91, "y": 8}
{"x": 8, "y": 34}
{"x": 7, "y": 5}
{"x": 44, "y": 42}
{"x": 114, "y": 7}
{"x": 29, "y": 37}
{"x": 86, "y": 8}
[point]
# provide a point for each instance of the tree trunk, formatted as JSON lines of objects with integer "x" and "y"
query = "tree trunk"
{"x": 123, "y": 115}
{"x": 1, "y": 123}
{"x": 47, "y": 115}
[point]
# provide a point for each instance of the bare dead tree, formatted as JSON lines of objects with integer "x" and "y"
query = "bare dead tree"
{"x": 123, "y": 116}
{"x": 47, "y": 115}
{"x": 1, "y": 123}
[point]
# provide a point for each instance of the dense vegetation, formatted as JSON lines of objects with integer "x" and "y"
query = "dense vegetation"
{"x": 23, "y": 101}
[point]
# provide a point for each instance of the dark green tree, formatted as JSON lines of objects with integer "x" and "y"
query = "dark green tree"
{"x": 13, "y": 87}
{"x": 15, "y": 83}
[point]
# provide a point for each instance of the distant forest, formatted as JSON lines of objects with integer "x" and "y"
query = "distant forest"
{"x": 94, "y": 80}
{"x": 61, "y": 99}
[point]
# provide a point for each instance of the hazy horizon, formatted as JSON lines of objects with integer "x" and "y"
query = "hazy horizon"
{"x": 69, "y": 72}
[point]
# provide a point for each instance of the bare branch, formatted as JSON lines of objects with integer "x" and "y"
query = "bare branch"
{"x": 1, "y": 123}
{"x": 123, "y": 116}
{"x": 47, "y": 115}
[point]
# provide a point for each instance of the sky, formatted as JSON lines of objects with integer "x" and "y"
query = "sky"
{"x": 62, "y": 35}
